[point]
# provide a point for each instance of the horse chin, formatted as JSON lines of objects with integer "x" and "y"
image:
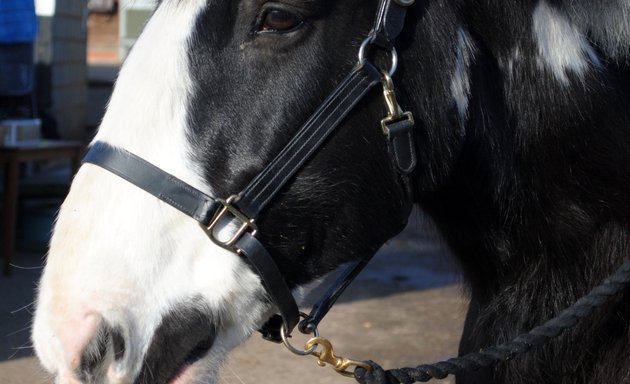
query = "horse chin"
{"x": 185, "y": 375}
{"x": 194, "y": 373}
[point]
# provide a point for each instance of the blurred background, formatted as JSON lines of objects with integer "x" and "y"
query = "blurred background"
{"x": 74, "y": 50}
{"x": 58, "y": 63}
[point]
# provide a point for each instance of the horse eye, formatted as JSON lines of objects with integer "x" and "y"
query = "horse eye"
{"x": 277, "y": 20}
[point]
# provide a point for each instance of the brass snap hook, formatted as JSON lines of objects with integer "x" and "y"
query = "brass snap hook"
{"x": 395, "y": 114}
{"x": 324, "y": 356}
{"x": 327, "y": 356}
{"x": 389, "y": 94}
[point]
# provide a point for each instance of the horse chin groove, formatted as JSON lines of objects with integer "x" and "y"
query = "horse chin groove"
{"x": 185, "y": 336}
{"x": 198, "y": 353}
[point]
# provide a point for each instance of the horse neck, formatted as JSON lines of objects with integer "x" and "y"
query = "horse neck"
{"x": 507, "y": 149}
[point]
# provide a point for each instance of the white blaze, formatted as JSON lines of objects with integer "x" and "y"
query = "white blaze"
{"x": 120, "y": 253}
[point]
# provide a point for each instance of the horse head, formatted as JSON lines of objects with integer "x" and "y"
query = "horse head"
{"x": 133, "y": 290}
{"x": 521, "y": 111}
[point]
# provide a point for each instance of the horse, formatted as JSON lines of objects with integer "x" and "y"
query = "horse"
{"x": 522, "y": 141}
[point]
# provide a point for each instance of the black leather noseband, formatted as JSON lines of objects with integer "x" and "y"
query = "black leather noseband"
{"x": 243, "y": 209}
{"x": 200, "y": 207}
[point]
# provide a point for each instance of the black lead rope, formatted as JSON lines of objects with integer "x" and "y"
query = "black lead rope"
{"x": 506, "y": 351}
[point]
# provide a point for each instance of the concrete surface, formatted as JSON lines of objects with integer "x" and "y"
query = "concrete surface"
{"x": 406, "y": 308}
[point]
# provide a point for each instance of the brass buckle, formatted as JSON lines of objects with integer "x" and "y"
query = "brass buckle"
{"x": 228, "y": 209}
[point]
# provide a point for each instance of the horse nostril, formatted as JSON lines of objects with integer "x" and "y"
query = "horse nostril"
{"x": 94, "y": 354}
{"x": 118, "y": 344}
{"x": 107, "y": 339}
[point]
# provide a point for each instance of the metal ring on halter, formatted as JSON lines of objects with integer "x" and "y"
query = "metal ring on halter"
{"x": 362, "y": 59}
{"x": 301, "y": 352}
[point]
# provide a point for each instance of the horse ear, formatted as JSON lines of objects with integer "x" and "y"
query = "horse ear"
{"x": 606, "y": 23}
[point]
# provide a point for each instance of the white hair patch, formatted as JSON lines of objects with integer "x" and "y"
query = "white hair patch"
{"x": 561, "y": 46}
{"x": 460, "y": 82}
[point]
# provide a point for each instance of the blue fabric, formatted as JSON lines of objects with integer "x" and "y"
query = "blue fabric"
{"x": 18, "y": 23}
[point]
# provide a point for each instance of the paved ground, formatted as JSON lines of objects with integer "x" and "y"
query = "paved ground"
{"x": 406, "y": 308}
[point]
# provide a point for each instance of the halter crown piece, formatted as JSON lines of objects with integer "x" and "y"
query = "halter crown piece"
{"x": 217, "y": 216}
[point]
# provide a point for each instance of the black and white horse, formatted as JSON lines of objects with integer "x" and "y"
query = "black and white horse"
{"x": 522, "y": 115}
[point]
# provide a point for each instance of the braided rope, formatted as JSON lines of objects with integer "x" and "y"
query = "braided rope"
{"x": 506, "y": 351}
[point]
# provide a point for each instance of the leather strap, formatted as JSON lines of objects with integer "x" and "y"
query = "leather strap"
{"x": 200, "y": 207}
{"x": 152, "y": 179}
{"x": 401, "y": 145}
{"x": 272, "y": 280}
{"x": 307, "y": 140}
{"x": 389, "y": 22}
{"x": 325, "y": 303}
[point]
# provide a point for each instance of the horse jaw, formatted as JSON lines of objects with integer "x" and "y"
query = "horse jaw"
{"x": 121, "y": 257}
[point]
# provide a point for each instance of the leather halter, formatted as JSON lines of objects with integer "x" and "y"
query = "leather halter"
{"x": 241, "y": 210}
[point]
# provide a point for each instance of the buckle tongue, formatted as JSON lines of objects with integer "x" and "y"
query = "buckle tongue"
{"x": 218, "y": 222}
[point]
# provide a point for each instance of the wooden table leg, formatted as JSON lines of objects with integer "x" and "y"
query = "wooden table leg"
{"x": 10, "y": 212}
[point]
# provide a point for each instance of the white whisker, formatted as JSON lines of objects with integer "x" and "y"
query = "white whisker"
{"x": 22, "y": 347}
{"x": 28, "y": 327}
{"x": 25, "y": 346}
{"x": 233, "y": 373}
{"x": 22, "y": 308}
{"x": 26, "y": 268}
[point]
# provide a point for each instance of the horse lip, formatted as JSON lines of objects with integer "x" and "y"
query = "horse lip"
{"x": 196, "y": 354}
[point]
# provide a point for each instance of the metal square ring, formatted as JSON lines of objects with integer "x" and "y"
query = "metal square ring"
{"x": 228, "y": 209}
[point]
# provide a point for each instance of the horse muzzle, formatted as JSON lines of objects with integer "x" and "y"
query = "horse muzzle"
{"x": 96, "y": 350}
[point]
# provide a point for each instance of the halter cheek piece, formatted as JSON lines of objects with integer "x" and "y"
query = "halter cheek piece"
{"x": 240, "y": 211}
